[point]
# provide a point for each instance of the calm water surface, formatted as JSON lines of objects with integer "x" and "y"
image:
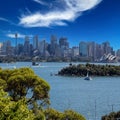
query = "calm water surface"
{"x": 91, "y": 98}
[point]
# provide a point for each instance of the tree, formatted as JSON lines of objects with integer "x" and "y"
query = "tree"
{"x": 24, "y": 83}
{"x": 52, "y": 114}
{"x": 72, "y": 115}
{"x": 112, "y": 116}
{"x": 11, "y": 110}
{"x": 27, "y": 96}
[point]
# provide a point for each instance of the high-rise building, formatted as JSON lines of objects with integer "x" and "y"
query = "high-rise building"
{"x": 106, "y": 47}
{"x": 53, "y": 45}
{"x": 98, "y": 52}
{"x": 8, "y": 48}
{"x": 63, "y": 43}
{"x": 91, "y": 50}
{"x": 83, "y": 49}
{"x": 118, "y": 53}
{"x": 1, "y": 44}
{"x": 27, "y": 46}
{"x": 64, "y": 46}
{"x": 35, "y": 42}
{"x": 75, "y": 51}
{"x": 43, "y": 48}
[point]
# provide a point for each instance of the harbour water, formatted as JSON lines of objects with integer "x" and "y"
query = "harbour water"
{"x": 93, "y": 98}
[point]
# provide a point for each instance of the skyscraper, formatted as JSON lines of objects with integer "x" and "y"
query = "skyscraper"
{"x": 27, "y": 46}
{"x": 35, "y": 42}
{"x": 53, "y": 45}
{"x": 83, "y": 49}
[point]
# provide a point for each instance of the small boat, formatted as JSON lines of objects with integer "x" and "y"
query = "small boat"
{"x": 88, "y": 77}
{"x": 35, "y": 64}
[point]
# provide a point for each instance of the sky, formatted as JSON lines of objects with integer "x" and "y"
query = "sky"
{"x": 78, "y": 20}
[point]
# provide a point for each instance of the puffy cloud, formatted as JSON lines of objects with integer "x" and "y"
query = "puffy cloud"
{"x": 11, "y": 35}
{"x": 72, "y": 10}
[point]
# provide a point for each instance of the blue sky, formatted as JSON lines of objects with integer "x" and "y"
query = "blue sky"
{"x": 78, "y": 20}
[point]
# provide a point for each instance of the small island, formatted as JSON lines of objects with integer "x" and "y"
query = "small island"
{"x": 93, "y": 69}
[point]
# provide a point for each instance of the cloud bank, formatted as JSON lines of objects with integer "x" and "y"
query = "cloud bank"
{"x": 72, "y": 10}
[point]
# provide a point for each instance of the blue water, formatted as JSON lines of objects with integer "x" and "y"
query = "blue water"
{"x": 90, "y": 98}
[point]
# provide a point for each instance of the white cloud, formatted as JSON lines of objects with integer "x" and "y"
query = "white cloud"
{"x": 40, "y": 2}
{"x": 3, "y": 19}
{"x": 6, "y": 20}
{"x": 72, "y": 10}
{"x": 11, "y": 35}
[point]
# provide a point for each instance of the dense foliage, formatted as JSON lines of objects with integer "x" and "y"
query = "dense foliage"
{"x": 95, "y": 70}
{"x": 23, "y": 96}
{"x": 52, "y": 114}
{"x": 11, "y": 110}
{"x": 19, "y": 82}
{"x": 112, "y": 116}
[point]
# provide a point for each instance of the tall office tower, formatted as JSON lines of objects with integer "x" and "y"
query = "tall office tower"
{"x": 8, "y": 47}
{"x": 63, "y": 43}
{"x": 64, "y": 46}
{"x": 106, "y": 47}
{"x": 20, "y": 49}
{"x": 91, "y": 50}
{"x": 75, "y": 51}
{"x": 98, "y": 53}
{"x": 83, "y": 49}
{"x": 1, "y": 45}
{"x": 118, "y": 53}
{"x": 53, "y": 45}
{"x": 35, "y": 42}
{"x": 16, "y": 44}
{"x": 4, "y": 48}
{"x": 27, "y": 46}
{"x": 43, "y": 48}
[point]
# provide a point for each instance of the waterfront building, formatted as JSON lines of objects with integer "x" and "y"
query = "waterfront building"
{"x": 118, "y": 53}
{"x": 27, "y": 46}
{"x": 1, "y": 44}
{"x": 53, "y": 45}
{"x": 63, "y": 43}
{"x": 43, "y": 48}
{"x": 35, "y": 42}
{"x": 98, "y": 52}
{"x": 9, "y": 50}
{"x": 91, "y": 50}
{"x": 20, "y": 49}
{"x": 83, "y": 49}
{"x": 106, "y": 48}
{"x": 75, "y": 51}
{"x": 64, "y": 46}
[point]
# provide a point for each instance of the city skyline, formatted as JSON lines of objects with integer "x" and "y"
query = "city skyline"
{"x": 75, "y": 19}
{"x": 60, "y": 49}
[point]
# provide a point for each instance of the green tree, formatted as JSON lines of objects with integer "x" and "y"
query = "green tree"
{"x": 11, "y": 110}
{"x": 72, "y": 115}
{"x": 24, "y": 83}
{"x": 52, "y": 114}
{"x": 112, "y": 116}
{"x": 27, "y": 90}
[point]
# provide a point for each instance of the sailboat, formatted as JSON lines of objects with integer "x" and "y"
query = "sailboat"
{"x": 88, "y": 77}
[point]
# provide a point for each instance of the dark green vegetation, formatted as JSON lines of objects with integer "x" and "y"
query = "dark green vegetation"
{"x": 25, "y": 96}
{"x": 9, "y": 59}
{"x": 94, "y": 70}
{"x": 112, "y": 116}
